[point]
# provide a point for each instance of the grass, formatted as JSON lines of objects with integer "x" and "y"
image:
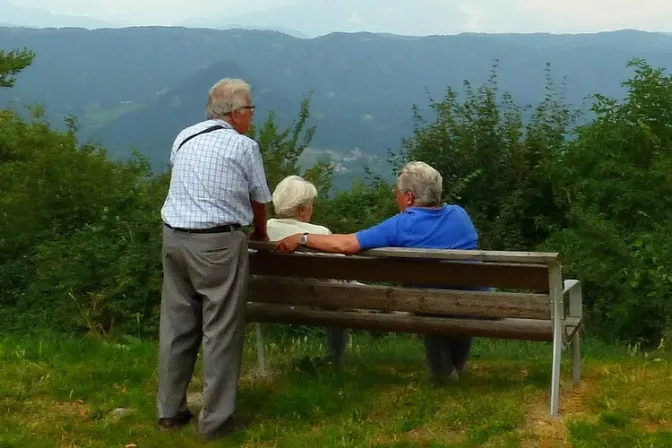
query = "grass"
{"x": 64, "y": 393}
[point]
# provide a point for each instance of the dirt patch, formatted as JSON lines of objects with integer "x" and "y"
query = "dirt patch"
{"x": 543, "y": 431}
{"x": 71, "y": 408}
{"x": 51, "y": 414}
{"x": 420, "y": 436}
{"x": 652, "y": 427}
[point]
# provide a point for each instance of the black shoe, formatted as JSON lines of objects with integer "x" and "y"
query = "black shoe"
{"x": 232, "y": 424}
{"x": 181, "y": 419}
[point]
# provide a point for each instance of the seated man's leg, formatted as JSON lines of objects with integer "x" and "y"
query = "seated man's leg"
{"x": 438, "y": 356}
{"x": 337, "y": 339}
{"x": 460, "y": 347}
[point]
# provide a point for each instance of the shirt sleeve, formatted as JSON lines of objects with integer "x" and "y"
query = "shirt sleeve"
{"x": 259, "y": 191}
{"x": 384, "y": 234}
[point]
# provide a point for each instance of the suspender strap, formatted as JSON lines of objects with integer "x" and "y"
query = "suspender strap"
{"x": 204, "y": 131}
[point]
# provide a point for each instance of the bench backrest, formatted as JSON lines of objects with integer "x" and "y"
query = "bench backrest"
{"x": 524, "y": 281}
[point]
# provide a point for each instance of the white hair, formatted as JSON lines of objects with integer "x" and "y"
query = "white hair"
{"x": 225, "y": 96}
{"x": 423, "y": 182}
{"x": 292, "y": 193}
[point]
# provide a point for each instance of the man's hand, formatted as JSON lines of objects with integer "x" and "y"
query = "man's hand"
{"x": 260, "y": 213}
{"x": 288, "y": 244}
{"x": 258, "y": 235}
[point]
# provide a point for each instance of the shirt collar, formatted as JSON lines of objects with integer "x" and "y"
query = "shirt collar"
{"x": 221, "y": 122}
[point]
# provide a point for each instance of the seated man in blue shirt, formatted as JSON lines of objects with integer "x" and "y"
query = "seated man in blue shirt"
{"x": 422, "y": 223}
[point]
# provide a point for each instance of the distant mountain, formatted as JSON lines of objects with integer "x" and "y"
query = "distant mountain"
{"x": 139, "y": 86}
{"x": 320, "y": 17}
{"x": 158, "y": 122}
{"x": 223, "y": 23}
{"x": 14, "y": 15}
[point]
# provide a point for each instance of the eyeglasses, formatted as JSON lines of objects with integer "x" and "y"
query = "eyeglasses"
{"x": 251, "y": 108}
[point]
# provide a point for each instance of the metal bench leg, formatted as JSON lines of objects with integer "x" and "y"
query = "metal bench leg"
{"x": 576, "y": 359}
{"x": 575, "y": 310}
{"x": 557, "y": 313}
{"x": 555, "y": 374}
{"x": 260, "y": 350}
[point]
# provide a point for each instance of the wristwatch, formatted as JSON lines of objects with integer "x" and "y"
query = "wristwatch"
{"x": 303, "y": 239}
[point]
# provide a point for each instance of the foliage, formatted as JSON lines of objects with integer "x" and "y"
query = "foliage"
{"x": 77, "y": 231}
{"x": 81, "y": 234}
{"x": 367, "y": 203}
{"x": 80, "y": 246}
{"x": 11, "y": 63}
{"x": 598, "y": 198}
{"x": 616, "y": 181}
{"x": 282, "y": 150}
{"x": 494, "y": 162}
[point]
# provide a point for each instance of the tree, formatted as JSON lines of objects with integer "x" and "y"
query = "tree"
{"x": 80, "y": 234}
{"x": 12, "y": 63}
{"x": 495, "y": 158}
{"x": 282, "y": 150}
{"x": 615, "y": 179}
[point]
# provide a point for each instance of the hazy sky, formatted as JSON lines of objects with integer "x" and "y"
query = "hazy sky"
{"x": 418, "y": 17}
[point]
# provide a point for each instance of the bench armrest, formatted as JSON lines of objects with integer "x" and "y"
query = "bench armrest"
{"x": 573, "y": 287}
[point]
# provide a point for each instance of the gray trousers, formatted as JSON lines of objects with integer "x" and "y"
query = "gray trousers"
{"x": 337, "y": 339}
{"x": 443, "y": 354}
{"x": 446, "y": 355}
{"x": 205, "y": 281}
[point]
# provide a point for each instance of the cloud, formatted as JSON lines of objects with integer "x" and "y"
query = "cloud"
{"x": 427, "y": 16}
{"x": 477, "y": 17}
{"x": 150, "y": 12}
{"x": 355, "y": 19}
{"x": 592, "y": 15}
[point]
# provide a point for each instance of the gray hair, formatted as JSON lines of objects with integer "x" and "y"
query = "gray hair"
{"x": 423, "y": 182}
{"x": 225, "y": 96}
{"x": 292, "y": 193}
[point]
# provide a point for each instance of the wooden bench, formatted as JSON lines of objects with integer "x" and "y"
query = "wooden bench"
{"x": 527, "y": 301}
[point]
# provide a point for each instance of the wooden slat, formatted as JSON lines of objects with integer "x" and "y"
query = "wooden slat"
{"x": 457, "y": 275}
{"x": 444, "y": 254}
{"x": 523, "y": 329}
{"x": 337, "y": 295}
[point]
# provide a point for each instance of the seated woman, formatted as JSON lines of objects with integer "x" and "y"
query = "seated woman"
{"x": 293, "y": 201}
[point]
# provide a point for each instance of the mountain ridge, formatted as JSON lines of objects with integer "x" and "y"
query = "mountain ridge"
{"x": 119, "y": 83}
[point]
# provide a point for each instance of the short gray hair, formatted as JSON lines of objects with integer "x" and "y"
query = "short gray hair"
{"x": 225, "y": 96}
{"x": 423, "y": 182}
{"x": 292, "y": 193}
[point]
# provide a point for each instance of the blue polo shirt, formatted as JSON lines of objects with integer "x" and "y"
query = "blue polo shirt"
{"x": 448, "y": 227}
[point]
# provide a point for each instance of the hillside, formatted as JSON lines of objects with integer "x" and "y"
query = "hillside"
{"x": 139, "y": 86}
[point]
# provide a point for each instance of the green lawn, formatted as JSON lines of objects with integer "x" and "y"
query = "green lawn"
{"x": 64, "y": 393}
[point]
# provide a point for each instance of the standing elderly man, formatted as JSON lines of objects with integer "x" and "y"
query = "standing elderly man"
{"x": 422, "y": 223}
{"x": 217, "y": 185}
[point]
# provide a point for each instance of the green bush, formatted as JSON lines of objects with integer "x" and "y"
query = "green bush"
{"x": 598, "y": 196}
{"x": 494, "y": 163}
{"x": 80, "y": 232}
{"x": 80, "y": 247}
{"x": 615, "y": 179}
